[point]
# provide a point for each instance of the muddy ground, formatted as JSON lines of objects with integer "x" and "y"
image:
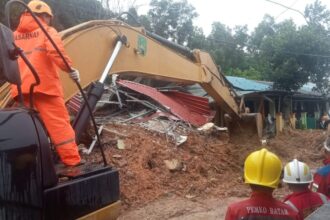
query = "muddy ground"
{"x": 207, "y": 172}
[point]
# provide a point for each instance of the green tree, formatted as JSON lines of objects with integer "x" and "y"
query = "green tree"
{"x": 119, "y": 6}
{"x": 172, "y": 19}
{"x": 318, "y": 14}
{"x": 72, "y": 12}
{"x": 281, "y": 51}
{"x": 67, "y": 12}
{"x": 264, "y": 30}
{"x": 197, "y": 39}
{"x": 222, "y": 45}
{"x": 228, "y": 47}
{"x": 292, "y": 56}
{"x": 317, "y": 34}
{"x": 261, "y": 33}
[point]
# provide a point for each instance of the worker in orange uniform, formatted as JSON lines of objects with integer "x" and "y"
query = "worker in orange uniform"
{"x": 262, "y": 171}
{"x": 298, "y": 177}
{"x": 321, "y": 181}
{"x": 48, "y": 96}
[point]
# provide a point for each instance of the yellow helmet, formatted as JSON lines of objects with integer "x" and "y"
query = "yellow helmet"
{"x": 263, "y": 168}
{"x": 39, "y": 7}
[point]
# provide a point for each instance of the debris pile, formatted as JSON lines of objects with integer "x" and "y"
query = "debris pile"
{"x": 159, "y": 153}
{"x": 150, "y": 165}
{"x": 166, "y": 110}
{"x": 205, "y": 166}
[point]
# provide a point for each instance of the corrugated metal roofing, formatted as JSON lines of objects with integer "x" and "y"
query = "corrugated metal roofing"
{"x": 308, "y": 89}
{"x": 179, "y": 109}
{"x": 247, "y": 84}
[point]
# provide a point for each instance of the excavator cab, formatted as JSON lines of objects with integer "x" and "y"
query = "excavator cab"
{"x": 31, "y": 187}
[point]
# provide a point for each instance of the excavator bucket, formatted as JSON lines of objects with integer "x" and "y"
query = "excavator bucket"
{"x": 249, "y": 126}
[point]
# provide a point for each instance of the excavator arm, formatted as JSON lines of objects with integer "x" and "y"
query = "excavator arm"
{"x": 91, "y": 44}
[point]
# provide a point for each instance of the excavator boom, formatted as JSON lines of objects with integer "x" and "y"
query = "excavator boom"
{"x": 91, "y": 44}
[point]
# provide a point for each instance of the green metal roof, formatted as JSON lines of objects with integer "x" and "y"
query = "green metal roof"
{"x": 246, "y": 86}
{"x": 240, "y": 83}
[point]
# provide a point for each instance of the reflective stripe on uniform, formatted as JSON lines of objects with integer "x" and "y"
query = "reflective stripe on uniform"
{"x": 64, "y": 142}
{"x": 40, "y": 49}
{"x": 288, "y": 202}
{"x": 315, "y": 187}
{"x": 323, "y": 198}
{"x": 27, "y": 52}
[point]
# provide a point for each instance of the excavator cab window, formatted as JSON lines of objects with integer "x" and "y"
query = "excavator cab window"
{"x": 9, "y": 71}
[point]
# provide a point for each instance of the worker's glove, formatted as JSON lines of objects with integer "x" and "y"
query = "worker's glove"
{"x": 74, "y": 75}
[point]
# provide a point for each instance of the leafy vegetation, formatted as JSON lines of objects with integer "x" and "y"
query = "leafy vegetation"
{"x": 287, "y": 54}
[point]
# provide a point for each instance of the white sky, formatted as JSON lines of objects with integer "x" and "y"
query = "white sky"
{"x": 241, "y": 12}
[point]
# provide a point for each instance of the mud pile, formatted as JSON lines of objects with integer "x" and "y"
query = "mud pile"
{"x": 207, "y": 165}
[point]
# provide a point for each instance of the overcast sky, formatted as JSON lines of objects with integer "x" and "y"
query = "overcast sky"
{"x": 241, "y": 12}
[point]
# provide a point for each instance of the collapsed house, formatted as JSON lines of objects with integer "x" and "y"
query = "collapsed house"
{"x": 301, "y": 109}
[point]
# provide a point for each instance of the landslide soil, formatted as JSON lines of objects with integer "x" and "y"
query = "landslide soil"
{"x": 211, "y": 164}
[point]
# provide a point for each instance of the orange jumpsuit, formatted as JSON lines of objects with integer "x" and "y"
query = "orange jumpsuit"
{"x": 48, "y": 97}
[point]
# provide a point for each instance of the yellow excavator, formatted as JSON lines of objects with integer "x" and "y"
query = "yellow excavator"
{"x": 127, "y": 50}
{"x": 30, "y": 186}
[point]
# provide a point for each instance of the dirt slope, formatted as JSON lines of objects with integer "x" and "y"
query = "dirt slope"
{"x": 210, "y": 165}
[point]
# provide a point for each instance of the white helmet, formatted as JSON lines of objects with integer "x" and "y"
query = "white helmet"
{"x": 297, "y": 172}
